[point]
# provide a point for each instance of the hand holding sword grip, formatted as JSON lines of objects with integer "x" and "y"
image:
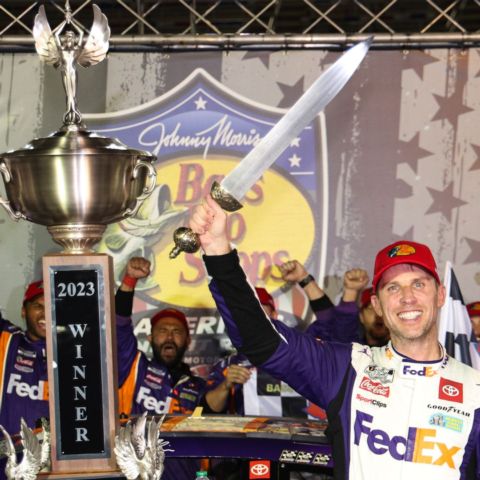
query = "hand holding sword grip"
{"x": 185, "y": 239}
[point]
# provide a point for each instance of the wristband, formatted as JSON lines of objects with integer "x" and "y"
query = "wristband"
{"x": 129, "y": 281}
{"x": 304, "y": 282}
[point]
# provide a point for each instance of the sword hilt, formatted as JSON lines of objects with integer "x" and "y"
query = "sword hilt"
{"x": 185, "y": 239}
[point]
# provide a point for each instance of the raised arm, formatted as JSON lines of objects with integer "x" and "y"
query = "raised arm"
{"x": 314, "y": 370}
{"x": 136, "y": 269}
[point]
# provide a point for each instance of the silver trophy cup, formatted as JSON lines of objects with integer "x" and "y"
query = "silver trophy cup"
{"x": 74, "y": 181}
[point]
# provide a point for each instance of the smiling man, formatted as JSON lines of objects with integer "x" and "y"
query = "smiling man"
{"x": 24, "y": 387}
{"x": 402, "y": 411}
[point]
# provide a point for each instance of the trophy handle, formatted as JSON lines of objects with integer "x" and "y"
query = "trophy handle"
{"x": 148, "y": 189}
{"x": 7, "y": 177}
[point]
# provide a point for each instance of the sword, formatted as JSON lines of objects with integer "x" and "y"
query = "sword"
{"x": 229, "y": 193}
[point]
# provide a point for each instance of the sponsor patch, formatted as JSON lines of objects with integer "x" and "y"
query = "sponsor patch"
{"x": 27, "y": 353}
{"x": 418, "y": 446}
{"x": 419, "y": 372}
{"x": 23, "y": 368}
{"x": 321, "y": 459}
{"x": 382, "y": 374}
{"x": 446, "y": 421}
{"x": 401, "y": 250}
{"x": 259, "y": 469}
{"x": 24, "y": 361}
{"x": 288, "y": 456}
{"x": 371, "y": 401}
{"x": 449, "y": 409}
{"x": 374, "y": 387}
{"x": 187, "y": 396}
{"x": 450, "y": 390}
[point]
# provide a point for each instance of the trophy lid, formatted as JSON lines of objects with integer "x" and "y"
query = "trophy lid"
{"x": 74, "y": 141}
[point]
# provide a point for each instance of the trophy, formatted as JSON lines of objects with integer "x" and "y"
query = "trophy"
{"x": 75, "y": 182}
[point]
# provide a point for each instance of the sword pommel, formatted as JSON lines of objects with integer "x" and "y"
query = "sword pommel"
{"x": 185, "y": 241}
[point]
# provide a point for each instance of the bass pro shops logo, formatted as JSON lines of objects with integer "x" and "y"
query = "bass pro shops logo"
{"x": 419, "y": 446}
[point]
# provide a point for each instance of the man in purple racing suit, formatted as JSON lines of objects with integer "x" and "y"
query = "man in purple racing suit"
{"x": 23, "y": 364}
{"x": 163, "y": 384}
{"x": 402, "y": 411}
{"x": 23, "y": 367}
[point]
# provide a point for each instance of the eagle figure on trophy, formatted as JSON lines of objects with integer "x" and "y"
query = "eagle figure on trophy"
{"x": 36, "y": 455}
{"x": 137, "y": 456}
{"x": 64, "y": 48}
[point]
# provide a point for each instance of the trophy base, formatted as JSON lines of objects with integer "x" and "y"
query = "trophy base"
{"x": 77, "y": 239}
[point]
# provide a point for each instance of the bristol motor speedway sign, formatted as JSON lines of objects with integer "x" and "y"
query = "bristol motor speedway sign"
{"x": 199, "y": 131}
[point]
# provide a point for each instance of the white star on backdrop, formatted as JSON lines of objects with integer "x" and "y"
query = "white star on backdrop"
{"x": 200, "y": 103}
{"x": 294, "y": 160}
{"x": 295, "y": 142}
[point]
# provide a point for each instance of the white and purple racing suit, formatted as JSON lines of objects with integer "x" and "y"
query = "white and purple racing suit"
{"x": 390, "y": 417}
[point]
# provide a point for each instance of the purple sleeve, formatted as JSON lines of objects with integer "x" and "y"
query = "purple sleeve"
{"x": 126, "y": 347}
{"x": 216, "y": 376}
{"x": 313, "y": 368}
{"x": 338, "y": 323}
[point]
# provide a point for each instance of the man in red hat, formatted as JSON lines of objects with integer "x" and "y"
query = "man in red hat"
{"x": 24, "y": 387}
{"x": 407, "y": 409}
{"x": 163, "y": 384}
{"x": 158, "y": 385}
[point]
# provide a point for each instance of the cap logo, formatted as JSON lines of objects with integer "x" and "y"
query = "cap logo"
{"x": 401, "y": 250}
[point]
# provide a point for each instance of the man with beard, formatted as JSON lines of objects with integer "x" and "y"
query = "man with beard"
{"x": 376, "y": 333}
{"x": 165, "y": 383}
{"x": 23, "y": 365}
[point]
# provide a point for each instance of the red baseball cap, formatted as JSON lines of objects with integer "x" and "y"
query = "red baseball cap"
{"x": 401, "y": 252}
{"x": 366, "y": 297}
{"x": 265, "y": 298}
{"x": 35, "y": 289}
{"x": 173, "y": 313}
{"x": 474, "y": 309}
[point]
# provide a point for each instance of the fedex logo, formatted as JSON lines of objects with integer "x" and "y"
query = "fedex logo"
{"x": 23, "y": 389}
{"x": 423, "y": 372}
{"x": 150, "y": 403}
{"x": 419, "y": 446}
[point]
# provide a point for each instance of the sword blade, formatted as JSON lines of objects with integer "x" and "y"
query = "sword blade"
{"x": 306, "y": 108}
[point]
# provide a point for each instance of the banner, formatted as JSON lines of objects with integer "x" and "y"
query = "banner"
{"x": 455, "y": 328}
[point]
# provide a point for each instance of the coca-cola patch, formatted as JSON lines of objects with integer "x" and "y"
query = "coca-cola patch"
{"x": 374, "y": 387}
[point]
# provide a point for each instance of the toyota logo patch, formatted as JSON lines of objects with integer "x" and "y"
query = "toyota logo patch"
{"x": 259, "y": 469}
{"x": 450, "y": 390}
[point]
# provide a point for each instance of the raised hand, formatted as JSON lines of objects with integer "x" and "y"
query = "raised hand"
{"x": 209, "y": 222}
{"x": 292, "y": 271}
